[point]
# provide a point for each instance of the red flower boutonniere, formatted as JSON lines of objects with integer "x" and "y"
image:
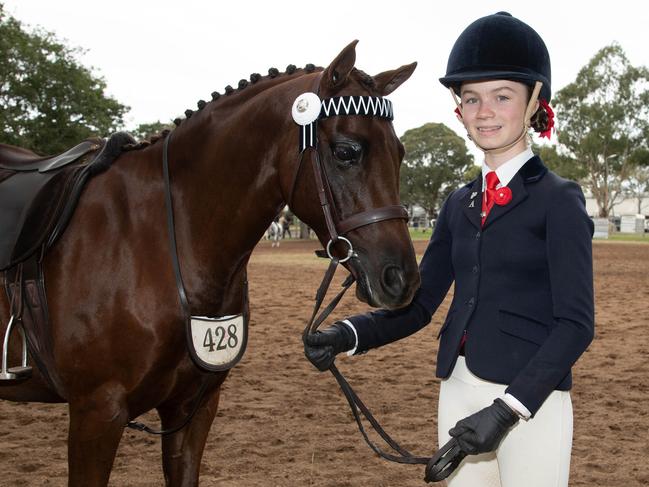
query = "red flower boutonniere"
{"x": 503, "y": 196}
{"x": 547, "y": 133}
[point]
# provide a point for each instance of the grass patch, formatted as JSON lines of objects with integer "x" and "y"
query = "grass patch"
{"x": 418, "y": 234}
{"x": 626, "y": 237}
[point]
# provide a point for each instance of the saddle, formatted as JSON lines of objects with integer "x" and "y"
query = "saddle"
{"x": 38, "y": 196}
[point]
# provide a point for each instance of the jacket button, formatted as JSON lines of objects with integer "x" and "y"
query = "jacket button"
{"x": 471, "y": 302}
{"x": 477, "y": 235}
{"x": 475, "y": 269}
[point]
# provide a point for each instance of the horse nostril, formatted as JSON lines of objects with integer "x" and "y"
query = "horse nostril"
{"x": 393, "y": 280}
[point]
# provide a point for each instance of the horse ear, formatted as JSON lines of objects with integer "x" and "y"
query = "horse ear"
{"x": 388, "y": 81}
{"x": 336, "y": 73}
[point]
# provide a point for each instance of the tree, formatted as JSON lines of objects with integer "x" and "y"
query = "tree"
{"x": 48, "y": 101}
{"x": 435, "y": 163}
{"x": 146, "y": 130}
{"x": 562, "y": 164}
{"x": 603, "y": 120}
{"x": 637, "y": 186}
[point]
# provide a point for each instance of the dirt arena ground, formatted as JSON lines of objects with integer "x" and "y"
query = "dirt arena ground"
{"x": 283, "y": 424}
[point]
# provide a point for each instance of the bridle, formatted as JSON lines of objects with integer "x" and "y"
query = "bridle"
{"x": 308, "y": 109}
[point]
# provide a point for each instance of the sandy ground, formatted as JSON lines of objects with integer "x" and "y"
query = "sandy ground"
{"x": 283, "y": 424}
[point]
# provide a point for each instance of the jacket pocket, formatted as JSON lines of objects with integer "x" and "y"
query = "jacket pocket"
{"x": 523, "y": 327}
{"x": 447, "y": 322}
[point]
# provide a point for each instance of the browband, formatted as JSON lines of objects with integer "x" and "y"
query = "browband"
{"x": 373, "y": 106}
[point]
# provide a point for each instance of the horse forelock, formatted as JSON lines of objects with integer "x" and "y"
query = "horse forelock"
{"x": 364, "y": 78}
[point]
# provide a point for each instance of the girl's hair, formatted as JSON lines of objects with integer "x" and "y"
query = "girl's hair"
{"x": 540, "y": 121}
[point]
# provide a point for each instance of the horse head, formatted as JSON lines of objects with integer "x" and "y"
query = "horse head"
{"x": 358, "y": 156}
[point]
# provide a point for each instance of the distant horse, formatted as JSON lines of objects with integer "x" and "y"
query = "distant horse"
{"x": 118, "y": 329}
{"x": 274, "y": 234}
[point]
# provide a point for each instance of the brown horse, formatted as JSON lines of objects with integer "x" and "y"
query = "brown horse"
{"x": 118, "y": 331}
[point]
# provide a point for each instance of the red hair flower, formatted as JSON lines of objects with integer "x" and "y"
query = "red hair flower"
{"x": 503, "y": 196}
{"x": 545, "y": 105}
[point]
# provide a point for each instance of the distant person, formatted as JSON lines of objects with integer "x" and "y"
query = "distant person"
{"x": 516, "y": 242}
{"x": 285, "y": 223}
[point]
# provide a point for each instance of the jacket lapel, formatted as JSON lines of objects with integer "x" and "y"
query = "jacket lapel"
{"x": 472, "y": 202}
{"x": 531, "y": 172}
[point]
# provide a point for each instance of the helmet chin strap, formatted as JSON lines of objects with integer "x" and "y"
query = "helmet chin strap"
{"x": 526, "y": 121}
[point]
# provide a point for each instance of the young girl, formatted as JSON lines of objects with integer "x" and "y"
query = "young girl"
{"x": 517, "y": 244}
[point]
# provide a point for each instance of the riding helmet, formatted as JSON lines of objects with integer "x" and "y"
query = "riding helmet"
{"x": 499, "y": 46}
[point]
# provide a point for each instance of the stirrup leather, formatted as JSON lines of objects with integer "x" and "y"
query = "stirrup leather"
{"x": 21, "y": 372}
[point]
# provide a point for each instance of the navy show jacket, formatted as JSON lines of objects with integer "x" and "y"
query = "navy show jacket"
{"x": 523, "y": 286}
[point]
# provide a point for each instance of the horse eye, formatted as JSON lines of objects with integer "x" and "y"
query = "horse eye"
{"x": 345, "y": 152}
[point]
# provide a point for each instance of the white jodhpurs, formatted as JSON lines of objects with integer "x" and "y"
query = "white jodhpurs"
{"x": 535, "y": 453}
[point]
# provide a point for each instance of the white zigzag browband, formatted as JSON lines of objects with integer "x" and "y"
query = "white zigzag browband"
{"x": 308, "y": 109}
{"x": 374, "y": 106}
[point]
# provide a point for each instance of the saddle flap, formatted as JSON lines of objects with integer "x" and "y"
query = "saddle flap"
{"x": 14, "y": 159}
{"x": 18, "y": 198}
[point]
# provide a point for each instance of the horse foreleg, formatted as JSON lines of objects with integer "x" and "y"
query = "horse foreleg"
{"x": 182, "y": 451}
{"x": 96, "y": 427}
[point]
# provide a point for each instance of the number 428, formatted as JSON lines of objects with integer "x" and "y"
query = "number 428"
{"x": 218, "y": 338}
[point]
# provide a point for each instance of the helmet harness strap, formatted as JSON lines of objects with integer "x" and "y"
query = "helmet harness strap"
{"x": 526, "y": 121}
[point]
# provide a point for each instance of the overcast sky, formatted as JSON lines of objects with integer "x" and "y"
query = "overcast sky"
{"x": 160, "y": 57}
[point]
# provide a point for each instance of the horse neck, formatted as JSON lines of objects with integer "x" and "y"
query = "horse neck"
{"x": 226, "y": 166}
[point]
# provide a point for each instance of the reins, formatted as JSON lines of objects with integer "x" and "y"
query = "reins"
{"x": 355, "y": 403}
{"x": 440, "y": 465}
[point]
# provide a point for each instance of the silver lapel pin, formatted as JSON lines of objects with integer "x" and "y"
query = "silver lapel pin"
{"x": 472, "y": 205}
{"x": 474, "y": 194}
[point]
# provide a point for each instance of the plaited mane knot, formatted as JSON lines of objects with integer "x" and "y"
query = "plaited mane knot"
{"x": 254, "y": 77}
{"x": 215, "y": 95}
{"x": 243, "y": 83}
{"x": 177, "y": 121}
{"x": 309, "y": 68}
{"x": 189, "y": 113}
{"x": 228, "y": 90}
{"x": 272, "y": 72}
{"x": 201, "y": 104}
{"x": 290, "y": 69}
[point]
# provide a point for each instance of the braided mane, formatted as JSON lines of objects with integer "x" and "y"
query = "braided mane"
{"x": 228, "y": 91}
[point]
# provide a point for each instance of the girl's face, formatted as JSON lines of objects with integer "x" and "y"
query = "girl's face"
{"x": 493, "y": 112}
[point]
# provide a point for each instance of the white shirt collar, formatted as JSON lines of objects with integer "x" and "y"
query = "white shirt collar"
{"x": 508, "y": 170}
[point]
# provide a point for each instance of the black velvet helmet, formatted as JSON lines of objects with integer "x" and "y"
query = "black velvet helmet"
{"x": 499, "y": 46}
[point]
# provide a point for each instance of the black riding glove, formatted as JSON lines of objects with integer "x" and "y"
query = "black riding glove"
{"x": 322, "y": 347}
{"x": 482, "y": 431}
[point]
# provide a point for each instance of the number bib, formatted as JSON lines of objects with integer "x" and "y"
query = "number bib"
{"x": 217, "y": 344}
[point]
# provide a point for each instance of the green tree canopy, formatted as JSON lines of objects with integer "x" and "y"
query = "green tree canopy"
{"x": 48, "y": 101}
{"x": 603, "y": 120}
{"x": 565, "y": 166}
{"x": 146, "y": 130}
{"x": 436, "y": 162}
